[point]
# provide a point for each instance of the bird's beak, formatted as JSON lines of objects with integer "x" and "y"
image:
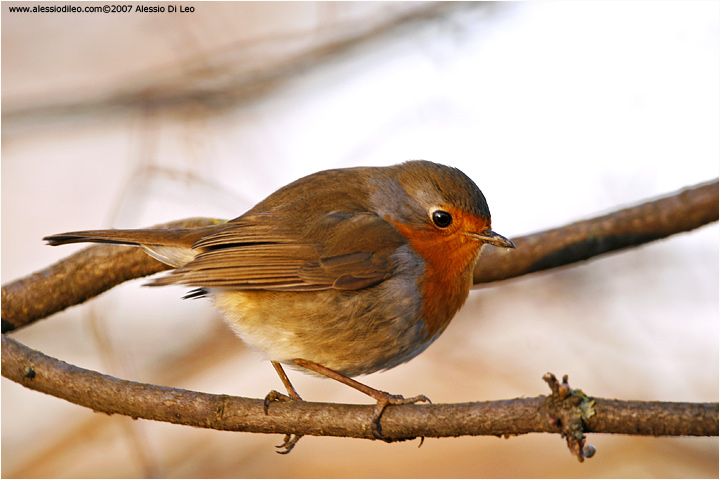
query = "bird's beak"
{"x": 492, "y": 238}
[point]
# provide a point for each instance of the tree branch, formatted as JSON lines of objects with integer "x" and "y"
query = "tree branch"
{"x": 107, "y": 394}
{"x": 679, "y": 212}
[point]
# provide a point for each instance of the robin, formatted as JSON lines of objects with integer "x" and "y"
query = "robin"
{"x": 344, "y": 272}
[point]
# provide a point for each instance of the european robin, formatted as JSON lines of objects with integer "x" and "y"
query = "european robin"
{"x": 343, "y": 272}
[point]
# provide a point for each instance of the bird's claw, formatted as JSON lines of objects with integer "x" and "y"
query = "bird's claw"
{"x": 382, "y": 403}
{"x": 288, "y": 444}
{"x": 275, "y": 396}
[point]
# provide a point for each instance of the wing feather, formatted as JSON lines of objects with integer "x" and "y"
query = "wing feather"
{"x": 261, "y": 252}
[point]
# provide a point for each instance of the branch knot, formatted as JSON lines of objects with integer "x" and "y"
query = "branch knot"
{"x": 569, "y": 409}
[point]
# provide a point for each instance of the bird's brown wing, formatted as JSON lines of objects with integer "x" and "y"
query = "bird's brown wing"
{"x": 342, "y": 250}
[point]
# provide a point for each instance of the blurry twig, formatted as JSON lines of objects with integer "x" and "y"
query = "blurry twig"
{"x": 236, "y": 72}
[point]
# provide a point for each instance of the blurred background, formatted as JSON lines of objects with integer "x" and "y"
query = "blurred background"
{"x": 558, "y": 110}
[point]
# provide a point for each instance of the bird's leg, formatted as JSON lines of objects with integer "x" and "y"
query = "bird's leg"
{"x": 274, "y": 396}
{"x": 383, "y": 398}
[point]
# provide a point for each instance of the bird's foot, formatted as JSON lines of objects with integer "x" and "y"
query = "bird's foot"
{"x": 290, "y": 440}
{"x": 275, "y": 396}
{"x": 383, "y": 400}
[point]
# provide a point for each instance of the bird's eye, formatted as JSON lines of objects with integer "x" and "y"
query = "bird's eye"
{"x": 442, "y": 218}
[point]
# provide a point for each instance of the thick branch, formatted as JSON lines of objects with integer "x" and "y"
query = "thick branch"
{"x": 107, "y": 394}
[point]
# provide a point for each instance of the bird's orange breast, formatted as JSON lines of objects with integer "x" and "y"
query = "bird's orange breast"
{"x": 449, "y": 261}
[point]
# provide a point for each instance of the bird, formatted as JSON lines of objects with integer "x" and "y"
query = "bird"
{"x": 341, "y": 273}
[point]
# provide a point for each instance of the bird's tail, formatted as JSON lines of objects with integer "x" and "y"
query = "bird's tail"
{"x": 171, "y": 246}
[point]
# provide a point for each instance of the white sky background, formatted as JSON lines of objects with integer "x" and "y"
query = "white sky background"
{"x": 558, "y": 111}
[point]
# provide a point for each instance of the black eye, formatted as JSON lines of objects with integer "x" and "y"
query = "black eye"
{"x": 442, "y": 218}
